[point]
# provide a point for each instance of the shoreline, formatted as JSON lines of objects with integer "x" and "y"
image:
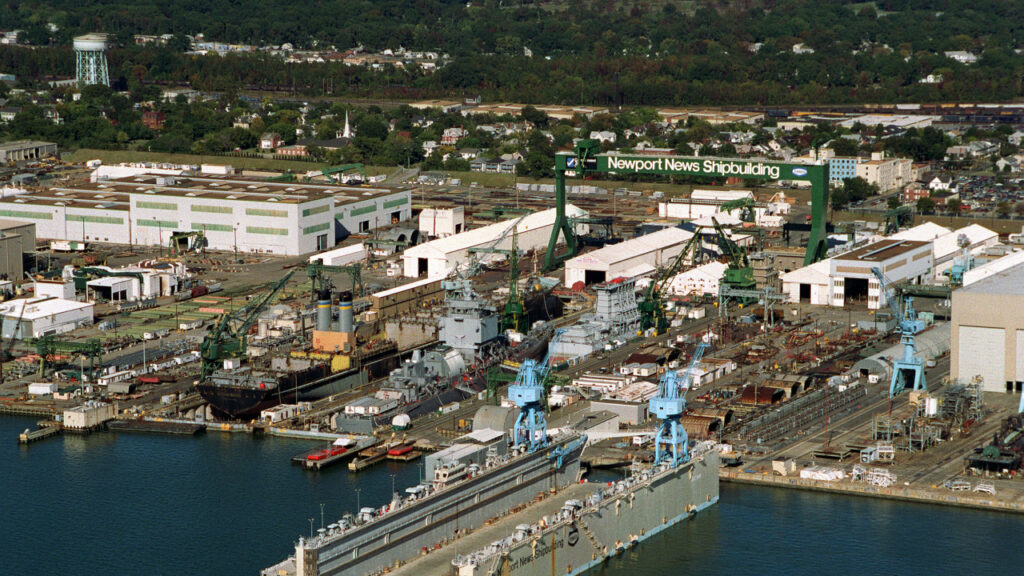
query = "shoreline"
{"x": 937, "y": 496}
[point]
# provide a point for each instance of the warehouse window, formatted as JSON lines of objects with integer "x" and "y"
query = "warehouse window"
{"x": 212, "y": 227}
{"x": 315, "y": 229}
{"x": 263, "y": 230}
{"x": 364, "y": 210}
{"x": 95, "y": 219}
{"x": 24, "y": 214}
{"x": 394, "y": 203}
{"x": 265, "y": 212}
{"x": 157, "y": 223}
{"x": 316, "y": 210}
{"x": 156, "y": 205}
{"x": 212, "y": 209}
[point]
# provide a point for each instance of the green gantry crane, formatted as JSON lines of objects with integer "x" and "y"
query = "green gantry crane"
{"x": 587, "y": 160}
{"x": 315, "y": 270}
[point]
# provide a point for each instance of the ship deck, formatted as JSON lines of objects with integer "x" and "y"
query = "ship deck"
{"x": 439, "y": 561}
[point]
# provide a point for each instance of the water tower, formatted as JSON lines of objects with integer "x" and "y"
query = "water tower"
{"x": 90, "y": 60}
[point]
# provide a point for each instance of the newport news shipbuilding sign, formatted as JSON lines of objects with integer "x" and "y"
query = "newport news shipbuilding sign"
{"x": 685, "y": 166}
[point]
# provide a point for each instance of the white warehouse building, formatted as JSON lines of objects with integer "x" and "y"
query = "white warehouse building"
{"x": 848, "y": 279}
{"x": 945, "y": 243}
{"x": 438, "y": 258}
{"x": 703, "y": 204}
{"x": 234, "y": 213}
{"x": 37, "y": 317}
{"x": 629, "y": 259}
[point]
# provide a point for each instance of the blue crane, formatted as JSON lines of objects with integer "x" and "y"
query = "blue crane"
{"x": 910, "y": 368}
{"x": 671, "y": 441}
{"x": 527, "y": 392}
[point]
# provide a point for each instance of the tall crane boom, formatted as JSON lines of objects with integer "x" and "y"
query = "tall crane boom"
{"x": 652, "y": 307}
{"x": 528, "y": 393}
{"x": 908, "y": 370}
{"x": 671, "y": 441}
{"x": 229, "y": 337}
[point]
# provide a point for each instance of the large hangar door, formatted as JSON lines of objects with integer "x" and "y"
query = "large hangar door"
{"x": 983, "y": 351}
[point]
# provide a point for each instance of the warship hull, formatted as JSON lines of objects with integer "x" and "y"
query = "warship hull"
{"x": 402, "y": 534}
{"x": 621, "y": 517}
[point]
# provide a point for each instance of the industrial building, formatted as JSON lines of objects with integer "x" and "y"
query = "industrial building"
{"x": 37, "y": 317}
{"x": 945, "y": 242}
{"x": 17, "y": 239}
{"x": 988, "y": 331}
{"x": 847, "y": 278}
{"x": 438, "y": 258}
{"x": 996, "y": 266}
{"x": 26, "y": 150}
{"x": 442, "y": 222}
{"x": 704, "y": 204}
{"x": 629, "y": 259}
{"x": 698, "y": 281}
{"x": 234, "y": 213}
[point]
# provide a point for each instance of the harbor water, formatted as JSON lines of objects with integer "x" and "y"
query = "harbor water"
{"x": 223, "y": 504}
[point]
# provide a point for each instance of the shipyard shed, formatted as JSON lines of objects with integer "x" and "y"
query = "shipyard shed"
{"x": 931, "y": 344}
{"x": 988, "y": 331}
{"x": 993, "y": 267}
{"x": 341, "y": 256}
{"x": 628, "y": 259}
{"x": 37, "y": 317}
{"x": 945, "y": 242}
{"x": 438, "y": 258}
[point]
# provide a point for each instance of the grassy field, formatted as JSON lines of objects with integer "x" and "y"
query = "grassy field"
{"x": 118, "y": 156}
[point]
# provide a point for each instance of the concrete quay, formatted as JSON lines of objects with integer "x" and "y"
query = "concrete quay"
{"x": 1001, "y": 502}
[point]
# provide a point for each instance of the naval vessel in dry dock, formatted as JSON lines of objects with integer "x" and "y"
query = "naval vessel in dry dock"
{"x": 460, "y": 497}
{"x": 614, "y": 517}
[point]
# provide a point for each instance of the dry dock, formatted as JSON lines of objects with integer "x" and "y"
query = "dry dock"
{"x": 439, "y": 559}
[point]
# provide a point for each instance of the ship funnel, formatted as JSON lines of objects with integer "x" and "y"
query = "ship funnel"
{"x": 323, "y": 310}
{"x": 345, "y": 312}
{"x": 416, "y": 356}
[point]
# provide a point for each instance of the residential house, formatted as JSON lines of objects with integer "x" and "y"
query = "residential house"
{"x": 7, "y": 113}
{"x": 452, "y": 135}
{"x": 975, "y": 149}
{"x": 915, "y": 191}
{"x": 603, "y": 136}
{"x": 295, "y": 151}
{"x": 942, "y": 182}
{"x": 429, "y": 146}
{"x": 961, "y": 56}
{"x": 270, "y": 141}
{"x": 154, "y": 119}
{"x": 1009, "y": 164}
{"x": 245, "y": 121}
{"x": 1016, "y": 138}
{"x": 468, "y": 153}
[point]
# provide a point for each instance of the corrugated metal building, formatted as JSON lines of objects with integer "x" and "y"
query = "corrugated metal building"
{"x": 988, "y": 331}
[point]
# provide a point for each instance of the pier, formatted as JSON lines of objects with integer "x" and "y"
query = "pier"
{"x": 29, "y": 436}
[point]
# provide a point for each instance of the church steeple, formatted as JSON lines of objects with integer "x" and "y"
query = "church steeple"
{"x": 348, "y": 130}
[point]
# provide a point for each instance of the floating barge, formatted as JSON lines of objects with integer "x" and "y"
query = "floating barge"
{"x": 152, "y": 427}
{"x": 340, "y": 450}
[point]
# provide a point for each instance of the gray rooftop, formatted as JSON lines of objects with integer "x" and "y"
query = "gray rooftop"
{"x": 1009, "y": 282}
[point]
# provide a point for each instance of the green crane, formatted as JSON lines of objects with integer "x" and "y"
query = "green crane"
{"x": 514, "y": 316}
{"x": 48, "y": 347}
{"x": 587, "y": 160}
{"x": 652, "y": 307}
{"x": 229, "y": 336}
{"x": 744, "y": 205}
{"x": 315, "y": 270}
{"x": 740, "y": 274}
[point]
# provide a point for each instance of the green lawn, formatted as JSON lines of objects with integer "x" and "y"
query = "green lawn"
{"x": 118, "y": 156}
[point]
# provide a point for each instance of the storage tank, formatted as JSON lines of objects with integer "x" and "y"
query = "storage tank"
{"x": 323, "y": 310}
{"x": 345, "y": 312}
